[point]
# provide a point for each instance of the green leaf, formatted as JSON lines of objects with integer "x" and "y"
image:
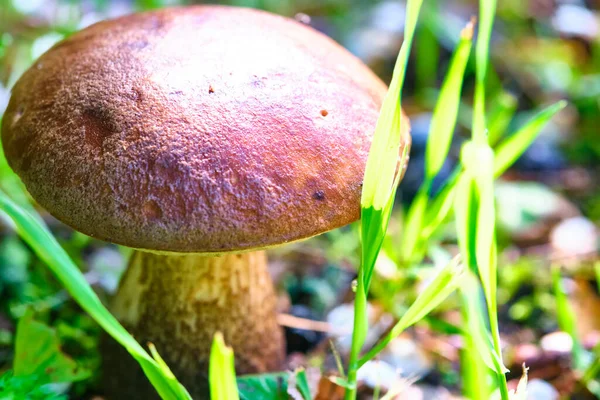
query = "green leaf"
{"x": 359, "y": 332}
{"x": 221, "y": 371}
{"x": 28, "y": 388}
{"x": 479, "y": 164}
{"x": 512, "y": 148}
{"x": 446, "y": 281}
{"x": 380, "y": 179}
{"x": 465, "y": 209}
{"x": 302, "y": 384}
{"x": 440, "y": 207}
{"x": 382, "y": 175}
{"x": 264, "y": 387}
{"x": 475, "y": 211}
{"x": 413, "y": 225}
{"x": 506, "y": 154}
{"x": 165, "y": 370}
{"x": 342, "y": 382}
{"x": 445, "y": 113}
{"x": 487, "y": 9}
{"x": 48, "y": 250}
{"x": 566, "y": 319}
{"x": 479, "y": 352}
{"x": 500, "y": 115}
{"x": 38, "y": 353}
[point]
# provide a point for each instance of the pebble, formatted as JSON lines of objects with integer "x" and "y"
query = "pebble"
{"x": 525, "y": 352}
{"x": 557, "y": 342}
{"x": 573, "y": 19}
{"x": 378, "y": 374}
{"x": 341, "y": 319}
{"x": 407, "y": 357}
{"x": 538, "y": 389}
{"x": 574, "y": 237}
{"x": 108, "y": 263}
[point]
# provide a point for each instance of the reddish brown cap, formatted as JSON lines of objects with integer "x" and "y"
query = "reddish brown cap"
{"x": 199, "y": 129}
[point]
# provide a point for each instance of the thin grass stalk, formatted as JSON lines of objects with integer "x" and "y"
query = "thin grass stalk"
{"x": 379, "y": 189}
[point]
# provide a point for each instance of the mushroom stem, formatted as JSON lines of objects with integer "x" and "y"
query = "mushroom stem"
{"x": 178, "y": 302}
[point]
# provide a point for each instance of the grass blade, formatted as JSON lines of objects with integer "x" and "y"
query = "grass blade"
{"x": 512, "y": 148}
{"x": 221, "y": 371}
{"x": 479, "y": 164}
{"x": 443, "y": 123}
{"x": 445, "y": 283}
{"x": 379, "y": 188}
{"x": 500, "y": 115}
{"x": 506, "y": 154}
{"x": 445, "y": 113}
{"x": 302, "y": 384}
{"x": 413, "y": 225}
{"x": 566, "y": 319}
{"x": 47, "y": 249}
{"x": 487, "y": 10}
{"x": 478, "y": 355}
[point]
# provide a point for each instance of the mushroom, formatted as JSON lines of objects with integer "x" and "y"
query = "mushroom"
{"x": 198, "y": 136}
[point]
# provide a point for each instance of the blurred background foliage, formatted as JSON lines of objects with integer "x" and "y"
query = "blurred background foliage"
{"x": 548, "y": 204}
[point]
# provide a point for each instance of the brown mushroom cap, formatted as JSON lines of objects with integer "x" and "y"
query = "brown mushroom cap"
{"x": 198, "y": 129}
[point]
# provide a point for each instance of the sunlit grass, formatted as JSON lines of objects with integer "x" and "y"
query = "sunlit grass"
{"x": 379, "y": 189}
{"x": 221, "y": 373}
{"x": 47, "y": 249}
{"x": 468, "y": 196}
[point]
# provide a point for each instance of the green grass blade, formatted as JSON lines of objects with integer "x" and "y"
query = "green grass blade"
{"x": 513, "y": 147}
{"x": 380, "y": 171}
{"x": 566, "y": 319}
{"x": 379, "y": 188}
{"x": 440, "y": 207}
{"x": 413, "y": 225}
{"x": 221, "y": 371}
{"x": 427, "y": 49}
{"x": 506, "y": 154}
{"x": 166, "y": 372}
{"x": 302, "y": 384}
{"x": 446, "y": 282}
{"x": 270, "y": 386}
{"x": 465, "y": 210}
{"x": 475, "y": 212}
{"x": 478, "y": 352}
{"x": 487, "y": 10}
{"x": 479, "y": 163}
{"x": 443, "y": 121}
{"x": 501, "y": 113}
{"x": 47, "y": 249}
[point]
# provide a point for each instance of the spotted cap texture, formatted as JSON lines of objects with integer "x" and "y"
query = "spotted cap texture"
{"x": 198, "y": 129}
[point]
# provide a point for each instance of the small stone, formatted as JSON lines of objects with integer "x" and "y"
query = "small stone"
{"x": 4, "y": 96}
{"x": 341, "y": 320}
{"x": 574, "y": 237}
{"x": 407, "y": 358}
{"x": 557, "y": 342}
{"x": 538, "y": 389}
{"x": 573, "y": 19}
{"x": 423, "y": 392}
{"x": 378, "y": 374}
{"x": 524, "y": 353}
{"x": 108, "y": 264}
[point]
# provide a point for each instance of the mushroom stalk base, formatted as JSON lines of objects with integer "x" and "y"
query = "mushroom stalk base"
{"x": 178, "y": 303}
